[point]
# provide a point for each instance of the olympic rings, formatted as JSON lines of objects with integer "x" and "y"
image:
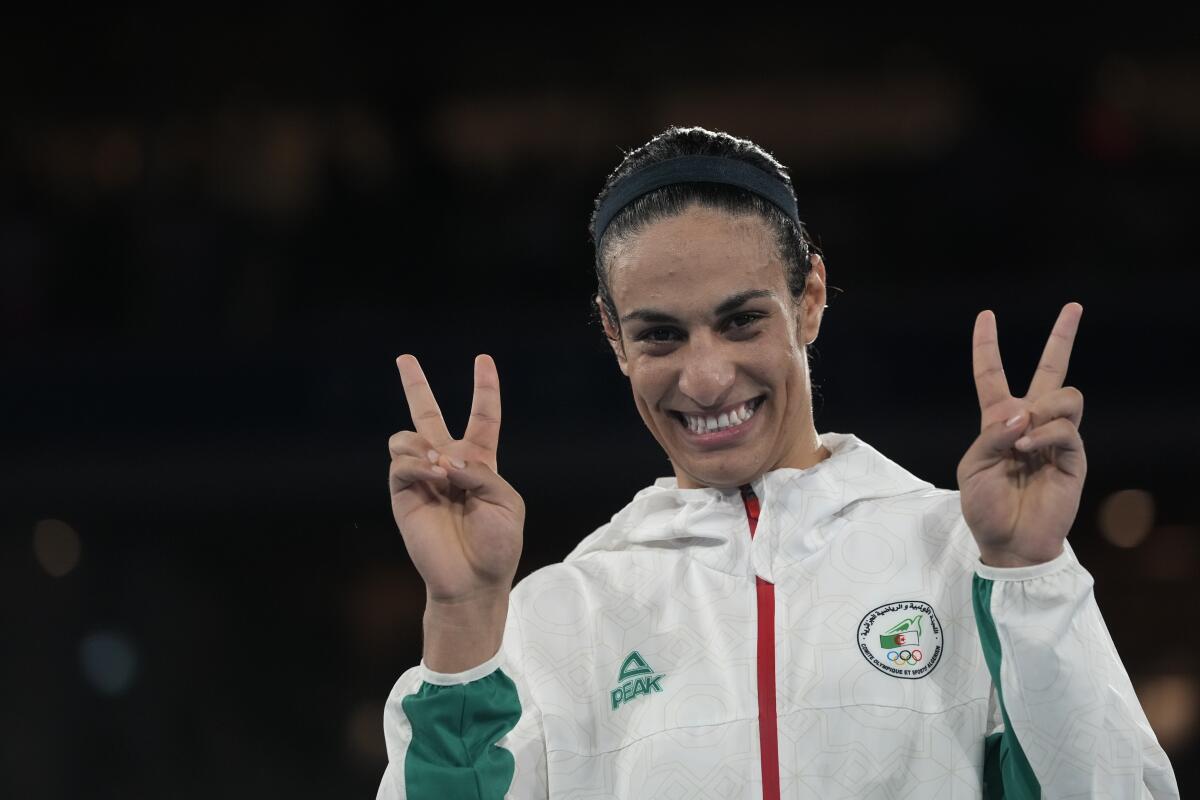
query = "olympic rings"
{"x": 909, "y": 658}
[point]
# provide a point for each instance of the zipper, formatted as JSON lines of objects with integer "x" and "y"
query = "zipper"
{"x": 768, "y": 723}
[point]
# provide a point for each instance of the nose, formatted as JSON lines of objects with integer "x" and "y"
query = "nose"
{"x": 708, "y": 371}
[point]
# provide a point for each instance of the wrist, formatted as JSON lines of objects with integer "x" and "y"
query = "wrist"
{"x": 464, "y": 633}
{"x": 468, "y": 675}
{"x": 1005, "y": 559}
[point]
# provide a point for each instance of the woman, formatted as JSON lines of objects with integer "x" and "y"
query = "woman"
{"x": 792, "y": 614}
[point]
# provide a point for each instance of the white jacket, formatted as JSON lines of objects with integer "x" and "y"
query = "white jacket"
{"x": 634, "y": 668}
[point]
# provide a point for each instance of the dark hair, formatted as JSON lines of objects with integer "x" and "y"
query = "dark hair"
{"x": 795, "y": 245}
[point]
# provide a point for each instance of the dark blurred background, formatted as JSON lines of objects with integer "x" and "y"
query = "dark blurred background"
{"x": 217, "y": 234}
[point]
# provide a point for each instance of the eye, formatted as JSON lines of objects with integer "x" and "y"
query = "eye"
{"x": 662, "y": 335}
{"x": 649, "y": 335}
{"x": 745, "y": 315}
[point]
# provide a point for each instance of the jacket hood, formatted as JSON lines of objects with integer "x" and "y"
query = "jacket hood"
{"x": 795, "y": 504}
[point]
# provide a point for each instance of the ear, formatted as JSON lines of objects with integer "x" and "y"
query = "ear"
{"x": 813, "y": 302}
{"x": 614, "y": 337}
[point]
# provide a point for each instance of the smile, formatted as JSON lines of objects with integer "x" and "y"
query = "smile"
{"x": 728, "y": 422}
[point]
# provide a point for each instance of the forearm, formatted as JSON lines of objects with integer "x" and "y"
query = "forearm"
{"x": 1068, "y": 704}
{"x": 462, "y": 723}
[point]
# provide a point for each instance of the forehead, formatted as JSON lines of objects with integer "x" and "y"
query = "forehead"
{"x": 693, "y": 258}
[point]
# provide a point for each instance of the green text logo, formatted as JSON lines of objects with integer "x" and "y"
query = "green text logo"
{"x": 635, "y": 678}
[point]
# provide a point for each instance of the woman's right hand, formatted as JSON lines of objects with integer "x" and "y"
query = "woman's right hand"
{"x": 462, "y": 526}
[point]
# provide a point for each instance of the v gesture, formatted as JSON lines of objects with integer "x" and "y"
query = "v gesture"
{"x": 1021, "y": 479}
{"x": 461, "y": 522}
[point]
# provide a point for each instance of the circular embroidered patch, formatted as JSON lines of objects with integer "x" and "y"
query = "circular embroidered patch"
{"x": 901, "y": 639}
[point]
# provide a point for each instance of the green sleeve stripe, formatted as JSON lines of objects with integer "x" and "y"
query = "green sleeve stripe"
{"x": 453, "y": 752}
{"x": 1006, "y": 771}
{"x": 993, "y": 783}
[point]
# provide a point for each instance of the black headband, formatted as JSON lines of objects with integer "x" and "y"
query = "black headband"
{"x": 695, "y": 169}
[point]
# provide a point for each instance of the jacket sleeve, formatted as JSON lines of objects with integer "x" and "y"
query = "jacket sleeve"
{"x": 1070, "y": 724}
{"x": 475, "y": 734}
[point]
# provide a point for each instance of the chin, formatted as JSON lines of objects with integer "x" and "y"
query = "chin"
{"x": 721, "y": 479}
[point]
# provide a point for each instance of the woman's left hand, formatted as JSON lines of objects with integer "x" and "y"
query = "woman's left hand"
{"x": 1021, "y": 480}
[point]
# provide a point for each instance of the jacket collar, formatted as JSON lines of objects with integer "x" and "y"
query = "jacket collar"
{"x": 796, "y": 509}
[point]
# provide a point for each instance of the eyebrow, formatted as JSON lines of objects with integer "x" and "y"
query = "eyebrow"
{"x": 724, "y": 307}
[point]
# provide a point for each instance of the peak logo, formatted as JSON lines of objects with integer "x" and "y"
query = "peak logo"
{"x": 634, "y": 679}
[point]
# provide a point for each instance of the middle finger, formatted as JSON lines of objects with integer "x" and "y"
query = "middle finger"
{"x": 1052, "y": 368}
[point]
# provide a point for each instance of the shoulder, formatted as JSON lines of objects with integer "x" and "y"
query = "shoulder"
{"x": 931, "y": 504}
{"x": 932, "y": 518}
{"x": 562, "y": 584}
{"x": 545, "y": 577}
{"x": 939, "y": 510}
{"x": 588, "y": 584}
{"x": 559, "y": 602}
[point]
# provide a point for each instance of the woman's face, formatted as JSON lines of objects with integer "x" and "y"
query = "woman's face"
{"x": 707, "y": 325}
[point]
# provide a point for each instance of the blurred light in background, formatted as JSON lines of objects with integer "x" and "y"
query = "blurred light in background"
{"x": 384, "y": 601}
{"x": 1172, "y": 553}
{"x": 1170, "y": 703}
{"x": 56, "y": 546}
{"x": 266, "y": 160}
{"x": 1126, "y": 517}
{"x": 364, "y": 734}
{"x": 916, "y": 112}
{"x": 1149, "y": 98}
{"x": 109, "y": 661}
{"x": 117, "y": 157}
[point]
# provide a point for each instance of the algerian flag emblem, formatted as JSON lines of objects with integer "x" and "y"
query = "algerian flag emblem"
{"x": 905, "y": 632}
{"x": 903, "y": 639}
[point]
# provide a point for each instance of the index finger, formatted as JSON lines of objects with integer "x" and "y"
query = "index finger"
{"x": 1052, "y": 369}
{"x": 426, "y": 415}
{"x": 483, "y": 427}
{"x": 990, "y": 383}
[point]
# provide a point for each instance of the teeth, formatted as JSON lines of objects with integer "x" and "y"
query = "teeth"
{"x": 726, "y": 420}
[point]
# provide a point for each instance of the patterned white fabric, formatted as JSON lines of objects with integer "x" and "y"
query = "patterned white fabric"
{"x": 672, "y": 577}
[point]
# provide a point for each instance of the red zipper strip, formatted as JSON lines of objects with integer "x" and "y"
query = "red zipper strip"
{"x": 768, "y": 722}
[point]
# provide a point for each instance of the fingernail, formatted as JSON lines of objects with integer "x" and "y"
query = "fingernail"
{"x": 1024, "y": 442}
{"x": 432, "y": 455}
{"x": 458, "y": 463}
{"x": 438, "y": 470}
{"x": 1014, "y": 420}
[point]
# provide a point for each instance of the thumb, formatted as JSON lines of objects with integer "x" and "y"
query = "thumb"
{"x": 483, "y": 482}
